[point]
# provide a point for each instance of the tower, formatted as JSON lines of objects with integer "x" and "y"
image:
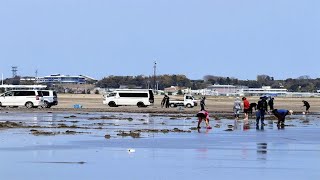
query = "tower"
{"x": 14, "y": 70}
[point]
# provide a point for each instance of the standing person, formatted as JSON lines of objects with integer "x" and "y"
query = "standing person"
{"x": 262, "y": 109}
{"x": 203, "y": 115}
{"x": 163, "y": 101}
{"x": 270, "y": 103}
{"x": 307, "y": 105}
{"x": 281, "y": 115}
{"x": 167, "y": 101}
{"x": 202, "y": 103}
{"x": 237, "y": 108}
{"x": 246, "y": 109}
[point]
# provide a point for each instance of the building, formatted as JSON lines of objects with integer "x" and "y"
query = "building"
{"x": 225, "y": 90}
{"x": 64, "y": 79}
{"x": 264, "y": 91}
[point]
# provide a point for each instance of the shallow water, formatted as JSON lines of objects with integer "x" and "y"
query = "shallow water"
{"x": 289, "y": 153}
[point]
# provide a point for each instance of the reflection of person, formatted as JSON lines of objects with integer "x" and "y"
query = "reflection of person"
{"x": 271, "y": 103}
{"x": 246, "y": 108}
{"x": 202, "y": 103}
{"x": 307, "y": 105}
{"x": 281, "y": 115}
{"x": 203, "y": 115}
{"x": 237, "y": 108}
{"x": 262, "y": 109}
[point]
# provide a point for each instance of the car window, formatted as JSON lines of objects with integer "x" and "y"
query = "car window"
{"x": 8, "y": 93}
{"x": 45, "y": 93}
{"x": 111, "y": 95}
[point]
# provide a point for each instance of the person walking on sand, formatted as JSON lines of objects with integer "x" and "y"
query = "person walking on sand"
{"x": 246, "y": 109}
{"x": 271, "y": 103}
{"x": 202, "y": 103}
{"x": 281, "y": 115}
{"x": 163, "y": 101}
{"x": 307, "y": 105}
{"x": 237, "y": 108}
{"x": 262, "y": 109}
{"x": 167, "y": 103}
{"x": 203, "y": 115}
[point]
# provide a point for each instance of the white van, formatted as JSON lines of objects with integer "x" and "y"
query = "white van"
{"x": 28, "y": 98}
{"x": 129, "y": 97}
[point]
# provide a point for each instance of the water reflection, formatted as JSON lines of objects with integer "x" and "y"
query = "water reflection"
{"x": 262, "y": 150}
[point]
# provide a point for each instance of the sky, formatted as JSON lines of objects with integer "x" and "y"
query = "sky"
{"x": 98, "y": 38}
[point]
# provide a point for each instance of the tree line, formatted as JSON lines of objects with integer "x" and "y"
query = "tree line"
{"x": 300, "y": 84}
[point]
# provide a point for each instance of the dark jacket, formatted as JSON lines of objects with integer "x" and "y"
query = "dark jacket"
{"x": 262, "y": 105}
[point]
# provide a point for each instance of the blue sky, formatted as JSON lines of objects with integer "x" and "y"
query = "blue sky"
{"x": 236, "y": 38}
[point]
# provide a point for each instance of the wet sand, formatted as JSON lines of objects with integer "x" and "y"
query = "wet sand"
{"x": 100, "y": 145}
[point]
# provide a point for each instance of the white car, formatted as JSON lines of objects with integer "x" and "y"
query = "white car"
{"x": 130, "y": 97}
{"x": 28, "y": 98}
{"x": 50, "y": 98}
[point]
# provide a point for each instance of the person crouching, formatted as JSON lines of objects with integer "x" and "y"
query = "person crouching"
{"x": 203, "y": 115}
{"x": 281, "y": 115}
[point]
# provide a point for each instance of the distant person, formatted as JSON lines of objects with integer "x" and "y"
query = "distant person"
{"x": 246, "y": 109}
{"x": 202, "y": 103}
{"x": 163, "y": 102}
{"x": 307, "y": 105}
{"x": 262, "y": 109}
{"x": 203, "y": 115}
{"x": 271, "y": 103}
{"x": 281, "y": 115}
{"x": 252, "y": 106}
{"x": 167, "y": 101}
{"x": 237, "y": 108}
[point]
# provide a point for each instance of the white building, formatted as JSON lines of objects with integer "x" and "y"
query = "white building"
{"x": 265, "y": 91}
{"x": 64, "y": 79}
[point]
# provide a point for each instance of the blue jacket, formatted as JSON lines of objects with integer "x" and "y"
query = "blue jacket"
{"x": 283, "y": 112}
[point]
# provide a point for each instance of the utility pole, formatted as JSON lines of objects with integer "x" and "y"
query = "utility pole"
{"x": 154, "y": 76}
{"x": 14, "y": 71}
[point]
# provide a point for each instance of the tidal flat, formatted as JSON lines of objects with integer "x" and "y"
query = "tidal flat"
{"x": 102, "y": 145}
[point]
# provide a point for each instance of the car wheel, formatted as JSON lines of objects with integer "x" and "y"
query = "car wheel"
{"x": 112, "y": 104}
{"x": 140, "y": 104}
{"x": 172, "y": 105}
{"x": 29, "y": 105}
{"x": 189, "y": 106}
{"x": 46, "y": 104}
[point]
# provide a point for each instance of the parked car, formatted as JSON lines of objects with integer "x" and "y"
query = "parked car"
{"x": 129, "y": 97}
{"x": 15, "y": 98}
{"x": 187, "y": 101}
{"x": 50, "y": 98}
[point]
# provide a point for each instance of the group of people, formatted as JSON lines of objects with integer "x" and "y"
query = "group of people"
{"x": 261, "y": 111}
{"x": 165, "y": 102}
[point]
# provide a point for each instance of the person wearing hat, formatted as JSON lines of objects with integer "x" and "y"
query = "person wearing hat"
{"x": 203, "y": 115}
{"x": 281, "y": 115}
{"x": 262, "y": 109}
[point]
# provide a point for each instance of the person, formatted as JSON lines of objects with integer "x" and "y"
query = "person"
{"x": 262, "y": 109}
{"x": 163, "y": 101}
{"x": 203, "y": 115}
{"x": 307, "y": 105}
{"x": 246, "y": 109}
{"x": 281, "y": 115}
{"x": 167, "y": 101}
{"x": 202, "y": 103}
{"x": 237, "y": 108}
{"x": 270, "y": 103}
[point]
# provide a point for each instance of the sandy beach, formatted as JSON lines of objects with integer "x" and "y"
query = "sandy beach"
{"x": 93, "y": 102}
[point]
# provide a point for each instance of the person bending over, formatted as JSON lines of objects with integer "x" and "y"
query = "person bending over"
{"x": 281, "y": 115}
{"x": 203, "y": 115}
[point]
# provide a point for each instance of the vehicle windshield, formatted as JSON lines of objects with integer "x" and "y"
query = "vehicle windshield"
{"x": 111, "y": 95}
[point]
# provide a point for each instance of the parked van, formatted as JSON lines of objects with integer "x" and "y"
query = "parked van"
{"x": 129, "y": 97}
{"x": 28, "y": 98}
{"x": 50, "y": 98}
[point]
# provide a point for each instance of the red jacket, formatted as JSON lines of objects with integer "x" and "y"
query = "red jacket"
{"x": 246, "y": 104}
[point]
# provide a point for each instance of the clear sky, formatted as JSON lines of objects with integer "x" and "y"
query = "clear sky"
{"x": 236, "y": 38}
